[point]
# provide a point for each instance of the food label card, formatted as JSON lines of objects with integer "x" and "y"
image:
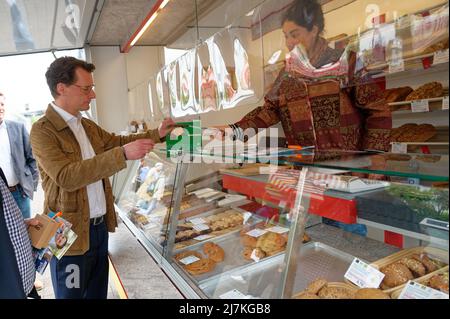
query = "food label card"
{"x": 420, "y": 106}
{"x": 440, "y": 57}
{"x": 196, "y": 221}
{"x": 399, "y": 148}
{"x": 200, "y": 227}
{"x": 278, "y": 229}
{"x": 189, "y": 260}
{"x": 203, "y": 237}
{"x": 445, "y": 103}
{"x": 364, "y": 275}
{"x": 257, "y": 232}
{"x": 414, "y": 290}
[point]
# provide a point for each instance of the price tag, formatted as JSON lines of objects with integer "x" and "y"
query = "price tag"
{"x": 233, "y": 294}
{"x": 440, "y": 57}
{"x": 399, "y": 148}
{"x": 445, "y": 103}
{"x": 420, "y": 106}
{"x": 203, "y": 237}
{"x": 196, "y": 221}
{"x": 364, "y": 275}
{"x": 396, "y": 67}
{"x": 278, "y": 229}
{"x": 414, "y": 290}
{"x": 201, "y": 227}
{"x": 189, "y": 260}
{"x": 257, "y": 232}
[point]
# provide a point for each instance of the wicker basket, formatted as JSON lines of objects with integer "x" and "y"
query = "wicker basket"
{"x": 433, "y": 253}
{"x": 422, "y": 280}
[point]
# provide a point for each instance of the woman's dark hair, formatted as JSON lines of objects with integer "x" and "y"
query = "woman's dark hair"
{"x": 62, "y": 70}
{"x": 307, "y": 14}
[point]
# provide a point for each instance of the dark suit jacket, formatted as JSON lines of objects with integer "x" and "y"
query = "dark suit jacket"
{"x": 10, "y": 281}
{"x": 24, "y": 162}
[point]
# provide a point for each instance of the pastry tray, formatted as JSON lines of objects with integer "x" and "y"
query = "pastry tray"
{"x": 231, "y": 244}
{"x": 262, "y": 279}
{"x": 188, "y": 244}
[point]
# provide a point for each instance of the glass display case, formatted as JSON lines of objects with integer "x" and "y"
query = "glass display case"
{"x": 254, "y": 230}
{"x": 351, "y": 202}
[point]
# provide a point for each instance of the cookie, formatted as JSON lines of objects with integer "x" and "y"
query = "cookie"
{"x": 200, "y": 267}
{"x": 214, "y": 252}
{"x": 396, "y": 274}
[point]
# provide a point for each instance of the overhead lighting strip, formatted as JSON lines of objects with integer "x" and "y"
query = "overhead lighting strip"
{"x": 149, "y": 19}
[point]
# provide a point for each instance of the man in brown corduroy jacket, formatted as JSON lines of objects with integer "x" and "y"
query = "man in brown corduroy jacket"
{"x": 76, "y": 157}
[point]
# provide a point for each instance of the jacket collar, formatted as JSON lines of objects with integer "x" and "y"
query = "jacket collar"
{"x": 55, "y": 118}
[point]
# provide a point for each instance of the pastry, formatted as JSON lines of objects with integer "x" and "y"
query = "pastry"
{"x": 335, "y": 293}
{"x": 315, "y": 286}
{"x": 438, "y": 46}
{"x": 306, "y": 295}
{"x": 250, "y": 253}
{"x": 201, "y": 266}
{"x": 426, "y": 91}
{"x": 439, "y": 282}
{"x": 306, "y": 238}
{"x": 416, "y": 267}
{"x": 430, "y": 266}
{"x": 371, "y": 293}
{"x": 214, "y": 252}
{"x": 397, "y": 94}
{"x": 396, "y": 274}
{"x": 397, "y": 157}
{"x": 413, "y": 133}
{"x": 428, "y": 158}
{"x": 249, "y": 241}
{"x": 271, "y": 242}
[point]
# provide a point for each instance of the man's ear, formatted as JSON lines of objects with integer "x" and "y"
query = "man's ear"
{"x": 61, "y": 88}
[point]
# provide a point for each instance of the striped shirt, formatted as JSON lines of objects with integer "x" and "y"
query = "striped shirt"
{"x": 19, "y": 237}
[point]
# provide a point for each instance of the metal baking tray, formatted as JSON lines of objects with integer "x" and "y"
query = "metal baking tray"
{"x": 231, "y": 244}
{"x": 262, "y": 280}
{"x": 254, "y": 219}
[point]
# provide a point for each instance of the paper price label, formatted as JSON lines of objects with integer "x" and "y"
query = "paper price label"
{"x": 233, "y": 294}
{"x": 201, "y": 227}
{"x": 257, "y": 232}
{"x": 364, "y": 275}
{"x": 399, "y": 148}
{"x": 414, "y": 290}
{"x": 420, "y": 106}
{"x": 445, "y": 103}
{"x": 440, "y": 57}
{"x": 197, "y": 221}
{"x": 189, "y": 260}
{"x": 397, "y": 66}
{"x": 203, "y": 237}
{"x": 278, "y": 229}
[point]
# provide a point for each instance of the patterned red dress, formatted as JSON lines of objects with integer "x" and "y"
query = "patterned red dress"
{"x": 324, "y": 112}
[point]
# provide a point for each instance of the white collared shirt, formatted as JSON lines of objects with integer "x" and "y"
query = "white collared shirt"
{"x": 6, "y": 160}
{"x": 95, "y": 191}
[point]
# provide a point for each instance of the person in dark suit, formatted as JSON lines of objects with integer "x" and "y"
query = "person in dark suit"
{"x": 17, "y": 272}
{"x": 17, "y": 161}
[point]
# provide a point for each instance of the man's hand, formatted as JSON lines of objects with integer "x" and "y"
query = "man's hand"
{"x": 166, "y": 127}
{"x": 31, "y": 222}
{"x": 138, "y": 149}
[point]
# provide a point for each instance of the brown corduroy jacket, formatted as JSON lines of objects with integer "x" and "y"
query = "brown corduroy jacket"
{"x": 65, "y": 174}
